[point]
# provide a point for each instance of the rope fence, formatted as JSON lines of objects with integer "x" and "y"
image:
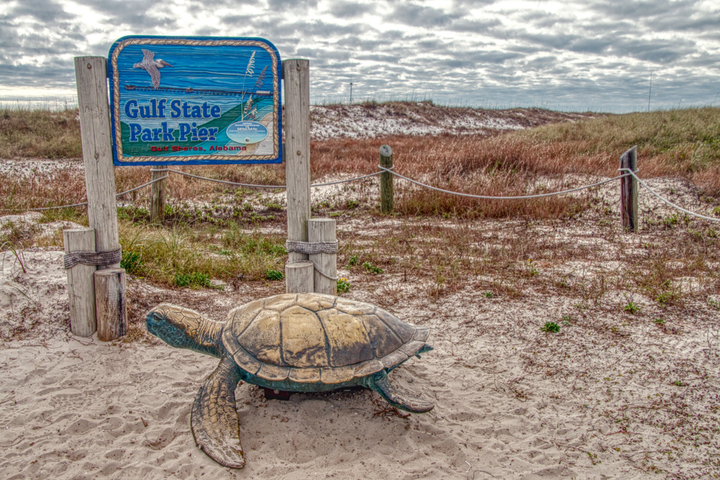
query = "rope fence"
{"x": 628, "y": 173}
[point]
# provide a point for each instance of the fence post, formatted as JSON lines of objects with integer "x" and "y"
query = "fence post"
{"x": 95, "y": 135}
{"x": 296, "y": 74}
{"x": 81, "y": 285}
{"x": 323, "y": 230}
{"x": 157, "y": 203}
{"x": 299, "y": 277}
{"x": 386, "y": 181}
{"x": 110, "y": 303}
{"x": 629, "y": 191}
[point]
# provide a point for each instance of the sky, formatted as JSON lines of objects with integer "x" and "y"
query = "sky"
{"x": 598, "y": 55}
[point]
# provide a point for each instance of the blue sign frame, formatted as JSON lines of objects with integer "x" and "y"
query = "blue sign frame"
{"x": 195, "y": 100}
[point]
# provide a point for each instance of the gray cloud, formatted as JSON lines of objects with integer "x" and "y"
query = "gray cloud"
{"x": 42, "y": 10}
{"x": 350, "y": 9}
{"x": 419, "y": 16}
{"x": 488, "y": 52}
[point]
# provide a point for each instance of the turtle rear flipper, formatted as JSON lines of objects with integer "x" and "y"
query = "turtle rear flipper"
{"x": 214, "y": 420}
{"x": 381, "y": 384}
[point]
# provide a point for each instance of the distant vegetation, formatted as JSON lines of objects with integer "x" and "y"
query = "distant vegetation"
{"x": 39, "y": 134}
{"x": 677, "y": 143}
{"x": 206, "y": 232}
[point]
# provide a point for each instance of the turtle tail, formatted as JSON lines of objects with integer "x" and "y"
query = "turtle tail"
{"x": 381, "y": 384}
{"x": 214, "y": 420}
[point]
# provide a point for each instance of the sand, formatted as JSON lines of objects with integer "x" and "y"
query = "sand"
{"x": 610, "y": 396}
{"x": 613, "y": 395}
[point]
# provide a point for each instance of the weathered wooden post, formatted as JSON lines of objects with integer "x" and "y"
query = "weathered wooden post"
{"x": 91, "y": 77}
{"x": 296, "y": 74}
{"x": 325, "y": 278}
{"x": 299, "y": 277}
{"x": 386, "y": 181}
{"x": 110, "y": 303}
{"x": 157, "y": 195}
{"x": 81, "y": 283}
{"x": 629, "y": 191}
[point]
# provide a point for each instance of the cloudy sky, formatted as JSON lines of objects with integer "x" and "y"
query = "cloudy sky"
{"x": 574, "y": 55}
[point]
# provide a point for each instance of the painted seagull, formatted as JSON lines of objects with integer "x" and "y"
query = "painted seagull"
{"x": 151, "y": 66}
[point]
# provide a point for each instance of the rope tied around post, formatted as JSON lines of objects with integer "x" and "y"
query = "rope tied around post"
{"x": 98, "y": 259}
{"x": 313, "y": 248}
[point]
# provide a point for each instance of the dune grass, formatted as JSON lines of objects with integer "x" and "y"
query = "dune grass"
{"x": 206, "y": 223}
{"x": 191, "y": 256}
{"x": 39, "y": 134}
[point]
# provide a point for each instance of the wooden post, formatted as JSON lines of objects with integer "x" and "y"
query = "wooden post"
{"x": 157, "y": 203}
{"x": 323, "y": 230}
{"x": 299, "y": 277}
{"x": 296, "y": 74}
{"x": 91, "y": 77}
{"x": 110, "y": 303}
{"x": 629, "y": 191}
{"x": 81, "y": 284}
{"x": 386, "y": 181}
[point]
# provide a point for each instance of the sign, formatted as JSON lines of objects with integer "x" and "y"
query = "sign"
{"x": 195, "y": 100}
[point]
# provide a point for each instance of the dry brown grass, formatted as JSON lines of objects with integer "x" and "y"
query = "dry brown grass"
{"x": 679, "y": 143}
{"x": 39, "y": 134}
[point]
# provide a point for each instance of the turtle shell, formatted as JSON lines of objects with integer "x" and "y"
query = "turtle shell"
{"x": 310, "y": 338}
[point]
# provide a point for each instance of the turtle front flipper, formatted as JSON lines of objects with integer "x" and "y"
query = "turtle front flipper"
{"x": 214, "y": 420}
{"x": 381, "y": 384}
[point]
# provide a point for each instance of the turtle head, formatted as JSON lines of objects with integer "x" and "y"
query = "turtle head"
{"x": 184, "y": 328}
{"x": 423, "y": 349}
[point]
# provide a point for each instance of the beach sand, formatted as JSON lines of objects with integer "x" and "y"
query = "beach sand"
{"x": 610, "y": 396}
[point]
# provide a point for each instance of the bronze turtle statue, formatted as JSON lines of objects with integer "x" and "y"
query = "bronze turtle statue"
{"x": 303, "y": 342}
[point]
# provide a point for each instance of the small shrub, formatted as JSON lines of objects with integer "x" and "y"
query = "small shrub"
{"x": 274, "y": 275}
{"x": 665, "y": 298}
{"x": 132, "y": 262}
{"x": 192, "y": 280}
{"x": 531, "y": 270}
{"x": 550, "y": 327}
{"x": 351, "y": 204}
{"x": 343, "y": 285}
{"x": 488, "y": 294}
{"x": 372, "y": 268}
{"x": 632, "y": 308}
{"x": 353, "y": 261}
{"x": 670, "y": 221}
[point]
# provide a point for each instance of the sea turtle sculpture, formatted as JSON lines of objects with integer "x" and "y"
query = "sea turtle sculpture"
{"x": 294, "y": 342}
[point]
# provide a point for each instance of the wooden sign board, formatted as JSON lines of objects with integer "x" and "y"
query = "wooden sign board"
{"x": 195, "y": 100}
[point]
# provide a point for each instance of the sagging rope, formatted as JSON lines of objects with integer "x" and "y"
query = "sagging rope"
{"x": 488, "y": 197}
{"x": 40, "y": 209}
{"x": 250, "y": 185}
{"x": 704, "y": 217}
{"x": 390, "y": 170}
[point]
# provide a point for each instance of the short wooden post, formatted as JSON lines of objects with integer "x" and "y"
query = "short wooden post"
{"x": 629, "y": 191}
{"x": 386, "y": 181}
{"x": 110, "y": 303}
{"x": 299, "y": 277}
{"x": 81, "y": 283}
{"x": 91, "y": 77}
{"x": 157, "y": 196}
{"x": 323, "y": 230}
{"x": 296, "y": 74}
